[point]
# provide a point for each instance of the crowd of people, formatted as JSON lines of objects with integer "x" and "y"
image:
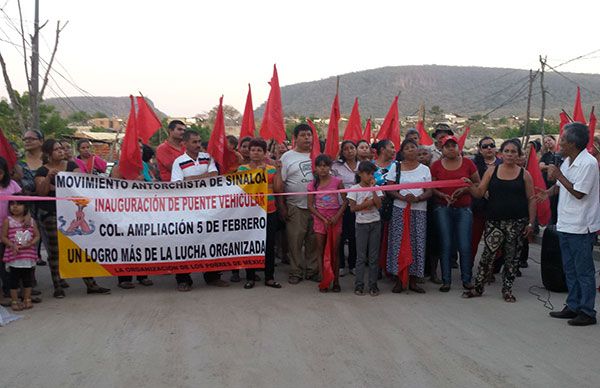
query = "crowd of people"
{"x": 496, "y": 204}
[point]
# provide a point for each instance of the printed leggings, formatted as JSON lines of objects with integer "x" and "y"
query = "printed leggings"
{"x": 505, "y": 235}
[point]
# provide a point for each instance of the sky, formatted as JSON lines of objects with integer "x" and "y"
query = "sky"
{"x": 185, "y": 54}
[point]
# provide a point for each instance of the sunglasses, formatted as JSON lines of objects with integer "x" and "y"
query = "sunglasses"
{"x": 486, "y": 146}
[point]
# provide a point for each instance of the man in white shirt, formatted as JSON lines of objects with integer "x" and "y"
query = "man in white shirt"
{"x": 192, "y": 165}
{"x": 578, "y": 221}
{"x": 294, "y": 176}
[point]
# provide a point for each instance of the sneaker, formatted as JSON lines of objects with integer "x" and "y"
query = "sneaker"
{"x": 294, "y": 280}
{"x": 146, "y": 282}
{"x": 96, "y": 289}
{"x": 41, "y": 262}
{"x": 352, "y": 271}
{"x": 59, "y": 293}
{"x": 343, "y": 272}
{"x": 582, "y": 320}
{"x": 126, "y": 285}
{"x": 445, "y": 288}
{"x": 359, "y": 291}
{"x": 218, "y": 283}
{"x": 374, "y": 291}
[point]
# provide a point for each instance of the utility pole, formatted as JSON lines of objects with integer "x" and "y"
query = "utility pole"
{"x": 526, "y": 129}
{"x": 543, "y": 65}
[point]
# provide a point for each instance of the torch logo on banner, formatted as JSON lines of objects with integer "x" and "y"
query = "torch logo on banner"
{"x": 79, "y": 226}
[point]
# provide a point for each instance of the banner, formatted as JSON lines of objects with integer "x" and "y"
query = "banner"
{"x": 120, "y": 228}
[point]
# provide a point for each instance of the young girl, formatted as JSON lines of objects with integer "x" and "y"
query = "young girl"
{"x": 366, "y": 205}
{"x": 20, "y": 235}
{"x": 327, "y": 210}
{"x": 7, "y": 187}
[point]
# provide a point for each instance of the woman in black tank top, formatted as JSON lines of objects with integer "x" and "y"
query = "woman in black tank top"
{"x": 510, "y": 214}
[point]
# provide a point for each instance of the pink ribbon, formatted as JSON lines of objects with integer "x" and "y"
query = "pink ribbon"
{"x": 400, "y": 186}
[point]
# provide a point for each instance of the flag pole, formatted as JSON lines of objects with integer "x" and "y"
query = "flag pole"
{"x": 569, "y": 117}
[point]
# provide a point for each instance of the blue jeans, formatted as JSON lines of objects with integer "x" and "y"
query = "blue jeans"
{"x": 578, "y": 264}
{"x": 454, "y": 231}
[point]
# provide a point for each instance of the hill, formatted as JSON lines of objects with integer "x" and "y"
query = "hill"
{"x": 463, "y": 90}
{"x": 110, "y": 106}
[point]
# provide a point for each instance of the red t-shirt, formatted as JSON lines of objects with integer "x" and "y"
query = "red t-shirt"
{"x": 165, "y": 155}
{"x": 439, "y": 173}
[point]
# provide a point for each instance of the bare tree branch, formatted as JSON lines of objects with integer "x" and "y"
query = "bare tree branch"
{"x": 14, "y": 101}
{"x": 24, "y": 48}
{"x": 49, "y": 67}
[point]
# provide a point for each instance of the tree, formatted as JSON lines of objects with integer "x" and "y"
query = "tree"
{"x": 80, "y": 117}
{"x": 99, "y": 115}
{"x": 232, "y": 116}
{"x": 436, "y": 112}
{"x": 27, "y": 114}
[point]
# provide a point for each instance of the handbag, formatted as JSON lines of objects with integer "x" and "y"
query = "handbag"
{"x": 387, "y": 204}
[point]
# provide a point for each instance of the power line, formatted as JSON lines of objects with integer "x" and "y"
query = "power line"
{"x": 570, "y": 80}
{"x": 579, "y": 57}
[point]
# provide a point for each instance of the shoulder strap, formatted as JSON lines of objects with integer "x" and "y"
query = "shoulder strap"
{"x": 398, "y": 171}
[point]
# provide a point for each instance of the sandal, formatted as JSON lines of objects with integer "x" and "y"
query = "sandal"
{"x": 509, "y": 297}
{"x": 323, "y": 290}
{"x": 249, "y": 284}
{"x": 146, "y": 282}
{"x": 126, "y": 285}
{"x": 15, "y": 305}
{"x": 272, "y": 284}
{"x": 471, "y": 294}
{"x": 28, "y": 304}
{"x": 336, "y": 288}
{"x": 184, "y": 287}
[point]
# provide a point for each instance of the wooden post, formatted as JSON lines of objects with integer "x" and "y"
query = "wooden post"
{"x": 526, "y": 129}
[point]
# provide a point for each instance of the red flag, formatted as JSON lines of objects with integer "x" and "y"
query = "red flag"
{"x": 390, "y": 129}
{"x": 248, "y": 128}
{"x": 543, "y": 208}
{"x": 146, "y": 121}
{"x": 328, "y": 256}
{"x": 424, "y": 137}
{"x": 130, "y": 162}
{"x": 564, "y": 120}
{"x": 367, "y": 133}
{"x": 332, "y": 143}
{"x": 405, "y": 256}
{"x": 217, "y": 145}
{"x": 463, "y": 138}
{"x": 578, "y": 110}
{"x": 353, "y": 129}
{"x": 592, "y": 126}
{"x": 272, "y": 126}
{"x": 7, "y": 151}
{"x": 316, "y": 145}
